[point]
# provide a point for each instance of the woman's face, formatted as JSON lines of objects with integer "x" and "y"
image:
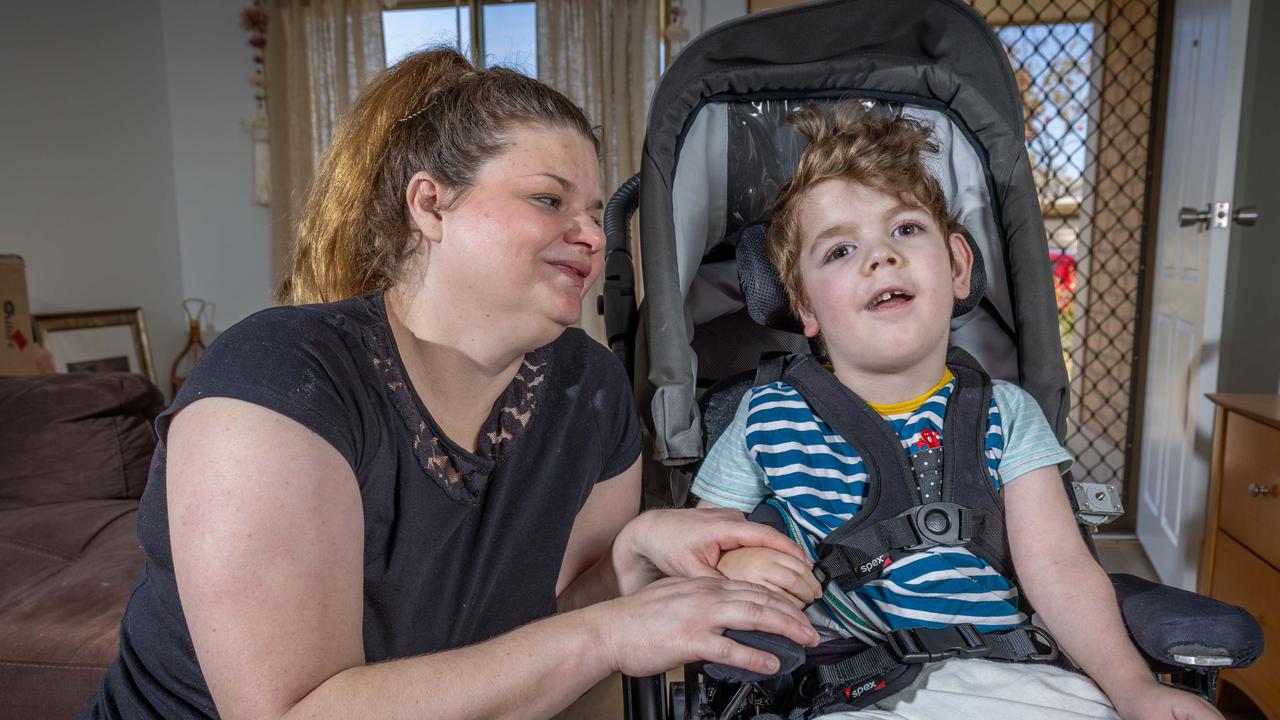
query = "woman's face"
{"x": 520, "y": 249}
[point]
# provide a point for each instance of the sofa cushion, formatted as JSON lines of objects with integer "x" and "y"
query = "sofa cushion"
{"x": 78, "y": 436}
{"x": 61, "y": 598}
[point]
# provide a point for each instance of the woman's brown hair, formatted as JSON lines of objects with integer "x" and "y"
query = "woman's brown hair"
{"x": 432, "y": 112}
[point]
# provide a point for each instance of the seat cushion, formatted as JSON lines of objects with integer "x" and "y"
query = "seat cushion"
{"x": 62, "y": 597}
{"x": 67, "y": 437}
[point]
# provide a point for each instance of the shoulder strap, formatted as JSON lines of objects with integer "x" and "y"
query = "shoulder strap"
{"x": 772, "y": 367}
{"x": 893, "y": 518}
{"x": 858, "y": 550}
{"x": 965, "y": 426}
{"x": 966, "y": 479}
{"x": 862, "y": 427}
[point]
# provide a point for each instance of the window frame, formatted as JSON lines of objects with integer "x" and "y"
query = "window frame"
{"x": 477, "y": 52}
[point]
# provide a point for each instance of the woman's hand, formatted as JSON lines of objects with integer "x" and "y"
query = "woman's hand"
{"x": 681, "y": 620}
{"x": 1152, "y": 701}
{"x": 776, "y": 571}
{"x": 688, "y": 543}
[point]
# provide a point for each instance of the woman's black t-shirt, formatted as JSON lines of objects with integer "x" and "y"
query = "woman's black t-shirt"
{"x": 459, "y": 547}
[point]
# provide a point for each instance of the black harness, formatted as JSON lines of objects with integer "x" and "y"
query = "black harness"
{"x": 913, "y": 503}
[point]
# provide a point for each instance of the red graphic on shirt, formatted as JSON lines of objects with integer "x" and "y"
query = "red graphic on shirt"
{"x": 19, "y": 339}
{"x": 929, "y": 439}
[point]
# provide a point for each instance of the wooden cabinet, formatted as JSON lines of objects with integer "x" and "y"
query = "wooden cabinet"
{"x": 1240, "y": 563}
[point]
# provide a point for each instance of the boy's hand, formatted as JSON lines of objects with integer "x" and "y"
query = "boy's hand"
{"x": 1153, "y": 701}
{"x": 775, "y": 570}
{"x": 687, "y": 543}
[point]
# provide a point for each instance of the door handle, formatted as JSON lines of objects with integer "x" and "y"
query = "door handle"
{"x": 1218, "y": 215}
{"x": 1257, "y": 490}
{"x": 1245, "y": 216}
{"x": 1191, "y": 216}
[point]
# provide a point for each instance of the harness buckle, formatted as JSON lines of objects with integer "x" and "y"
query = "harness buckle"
{"x": 1040, "y": 637}
{"x": 935, "y": 523}
{"x": 921, "y": 645}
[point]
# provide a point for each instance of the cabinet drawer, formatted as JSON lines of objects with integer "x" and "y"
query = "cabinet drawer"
{"x": 1252, "y": 457}
{"x": 1240, "y": 578}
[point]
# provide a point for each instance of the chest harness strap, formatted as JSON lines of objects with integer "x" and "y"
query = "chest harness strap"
{"x": 858, "y": 680}
{"x": 900, "y": 514}
{"x": 963, "y": 509}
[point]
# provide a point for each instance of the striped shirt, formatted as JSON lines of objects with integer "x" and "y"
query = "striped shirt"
{"x": 777, "y": 449}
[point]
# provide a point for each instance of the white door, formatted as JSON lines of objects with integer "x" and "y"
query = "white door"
{"x": 1203, "y": 121}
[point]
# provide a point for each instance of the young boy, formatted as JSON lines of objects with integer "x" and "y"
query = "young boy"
{"x": 873, "y": 262}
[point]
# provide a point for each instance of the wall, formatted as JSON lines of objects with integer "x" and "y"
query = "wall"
{"x": 700, "y": 15}
{"x": 225, "y": 238}
{"x": 126, "y": 177}
{"x": 1251, "y": 323}
{"x": 87, "y": 177}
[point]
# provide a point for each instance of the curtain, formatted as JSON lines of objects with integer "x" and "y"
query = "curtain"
{"x": 319, "y": 55}
{"x": 603, "y": 54}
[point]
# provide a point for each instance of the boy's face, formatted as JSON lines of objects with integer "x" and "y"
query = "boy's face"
{"x": 879, "y": 277}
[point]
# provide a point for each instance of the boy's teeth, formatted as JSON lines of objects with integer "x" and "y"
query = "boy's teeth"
{"x": 886, "y": 296}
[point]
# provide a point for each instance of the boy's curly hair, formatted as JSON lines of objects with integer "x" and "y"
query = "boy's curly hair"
{"x": 862, "y": 146}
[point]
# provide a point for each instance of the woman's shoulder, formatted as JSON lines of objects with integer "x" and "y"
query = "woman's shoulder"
{"x": 305, "y": 323}
{"x": 287, "y": 346}
{"x": 576, "y": 341}
{"x": 306, "y": 362}
{"x": 575, "y": 353}
{"x": 579, "y": 367}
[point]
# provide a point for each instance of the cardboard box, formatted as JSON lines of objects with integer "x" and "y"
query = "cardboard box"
{"x": 18, "y": 350}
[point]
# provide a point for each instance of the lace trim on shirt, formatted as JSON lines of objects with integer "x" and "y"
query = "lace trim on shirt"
{"x": 461, "y": 475}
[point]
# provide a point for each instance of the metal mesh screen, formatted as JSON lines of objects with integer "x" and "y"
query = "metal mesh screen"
{"x": 1087, "y": 72}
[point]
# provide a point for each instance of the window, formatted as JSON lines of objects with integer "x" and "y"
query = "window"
{"x": 510, "y": 32}
{"x": 1086, "y": 69}
{"x": 1052, "y": 64}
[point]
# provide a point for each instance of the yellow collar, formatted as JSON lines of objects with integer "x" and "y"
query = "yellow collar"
{"x": 913, "y": 403}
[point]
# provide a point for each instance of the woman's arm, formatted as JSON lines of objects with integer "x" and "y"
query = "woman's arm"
{"x": 1077, "y": 602}
{"x": 622, "y": 552}
{"x": 267, "y": 534}
{"x": 587, "y": 574}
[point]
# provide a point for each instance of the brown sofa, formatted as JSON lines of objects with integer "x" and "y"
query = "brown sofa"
{"x": 74, "y": 454}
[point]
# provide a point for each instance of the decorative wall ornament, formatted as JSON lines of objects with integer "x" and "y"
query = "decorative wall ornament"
{"x": 257, "y": 127}
{"x": 254, "y": 20}
{"x": 676, "y": 34}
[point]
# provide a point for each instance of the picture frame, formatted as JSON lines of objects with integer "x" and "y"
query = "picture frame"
{"x": 97, "y": 341}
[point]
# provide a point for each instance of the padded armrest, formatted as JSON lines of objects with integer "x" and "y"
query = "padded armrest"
{"x": 1170, "y": 625}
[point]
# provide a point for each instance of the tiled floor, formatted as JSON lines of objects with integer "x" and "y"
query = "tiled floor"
{"x": 1124, "y": 555}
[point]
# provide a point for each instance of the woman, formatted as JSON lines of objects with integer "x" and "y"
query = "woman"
{"x": 425, "y": 461}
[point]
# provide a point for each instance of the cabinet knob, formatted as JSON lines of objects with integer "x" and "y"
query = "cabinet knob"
{"x": 1256, "y": 490}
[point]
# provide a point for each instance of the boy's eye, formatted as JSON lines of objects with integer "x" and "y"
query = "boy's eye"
{"x": 908, "y": 228}
{"x": 840, "y": 251}
{"x": 550, "y": 201}
{"x": 596, "y": 219}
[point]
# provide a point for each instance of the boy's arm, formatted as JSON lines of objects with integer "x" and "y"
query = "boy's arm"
{"x": 1076, "y": 600}
{"x": 778, "y": 571}
{"x": 770, "y": 568}
{"x": 730, "y": 477}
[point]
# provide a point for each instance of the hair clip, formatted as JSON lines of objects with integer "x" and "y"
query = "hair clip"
{"x": 416, "y": 113}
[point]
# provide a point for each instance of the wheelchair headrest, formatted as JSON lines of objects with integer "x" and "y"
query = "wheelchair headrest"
{"x": 761, "y": 282}
{"x": 766, "y": 296}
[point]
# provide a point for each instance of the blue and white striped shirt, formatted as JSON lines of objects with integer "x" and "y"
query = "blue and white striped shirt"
{"x": 778, "y": 449}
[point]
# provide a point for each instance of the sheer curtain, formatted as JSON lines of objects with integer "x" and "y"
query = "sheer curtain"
{"x": 603, "y": 54}
{"x": 319, "y": 55}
